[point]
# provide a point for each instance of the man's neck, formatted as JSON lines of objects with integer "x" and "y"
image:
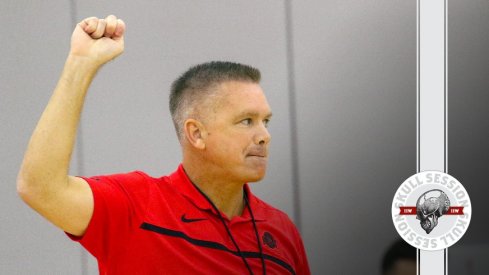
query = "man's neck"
{"x": 226, "y": 196}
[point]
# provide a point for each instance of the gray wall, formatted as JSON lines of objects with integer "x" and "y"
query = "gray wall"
{"x": 32, "y": 51}
{"x": 356, "y": 83}
{"x": 468, "y": 130}
{"x": 350, "y": 67}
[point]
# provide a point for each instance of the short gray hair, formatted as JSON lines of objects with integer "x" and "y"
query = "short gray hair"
{"x": 194, "y": 86}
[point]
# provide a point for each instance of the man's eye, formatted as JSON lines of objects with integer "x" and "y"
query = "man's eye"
{"x": 266, "y": 121}
{"x": 246, "y": 121}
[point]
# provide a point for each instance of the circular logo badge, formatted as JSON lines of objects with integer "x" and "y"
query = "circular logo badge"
{"x": 431, "y": 210}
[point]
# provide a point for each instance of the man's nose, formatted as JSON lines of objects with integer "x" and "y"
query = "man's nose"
{"x": 262, "y": 137}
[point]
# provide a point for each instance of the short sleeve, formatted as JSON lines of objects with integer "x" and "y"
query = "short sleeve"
{"x": 119, "y": 204}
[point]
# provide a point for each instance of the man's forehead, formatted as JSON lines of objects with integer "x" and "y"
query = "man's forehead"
{"x": 235, "y": 99}
{"x": 241, "y": 99}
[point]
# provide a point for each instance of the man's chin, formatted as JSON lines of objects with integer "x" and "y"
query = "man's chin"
{"x": 257, "y": 176}
{"x": 255, "y": 180}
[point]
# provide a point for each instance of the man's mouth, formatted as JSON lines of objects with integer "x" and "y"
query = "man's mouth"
{"x": 253, "y": 155}
{"x": 257, "y": 153}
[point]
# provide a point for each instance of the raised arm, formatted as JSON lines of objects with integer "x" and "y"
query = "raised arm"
{"x": 43, "y": 181}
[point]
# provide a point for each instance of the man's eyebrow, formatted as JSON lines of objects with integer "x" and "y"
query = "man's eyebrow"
{"x": 253, "y": 114}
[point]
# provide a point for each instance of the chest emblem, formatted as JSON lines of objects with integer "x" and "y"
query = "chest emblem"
{"x": 269, "y": 240}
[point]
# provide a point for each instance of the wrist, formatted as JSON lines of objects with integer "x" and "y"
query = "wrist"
{"x": 82, "y": 64}
{"x": 79, "y": 71}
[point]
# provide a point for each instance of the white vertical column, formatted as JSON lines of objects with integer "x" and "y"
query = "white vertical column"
{"x": 431, "y": 102}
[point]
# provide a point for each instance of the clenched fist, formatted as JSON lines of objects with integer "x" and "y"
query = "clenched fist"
{"x": 98, "y": 40}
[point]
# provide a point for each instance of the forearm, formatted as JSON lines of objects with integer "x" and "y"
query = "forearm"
{"x": 46, "y": 161}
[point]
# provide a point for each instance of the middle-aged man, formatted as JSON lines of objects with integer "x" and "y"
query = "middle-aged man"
{"x": 202, "y": 218}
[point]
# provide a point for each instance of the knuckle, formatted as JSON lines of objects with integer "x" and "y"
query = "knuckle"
{"x": 89, "y": 19}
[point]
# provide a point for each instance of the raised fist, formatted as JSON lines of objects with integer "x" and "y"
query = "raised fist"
{"x": 98, "y": 40}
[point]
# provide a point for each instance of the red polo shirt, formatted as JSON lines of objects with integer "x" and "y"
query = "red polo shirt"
{"x": 146, "y": 225}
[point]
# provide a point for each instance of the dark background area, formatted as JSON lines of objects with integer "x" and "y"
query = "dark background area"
{"x": 468, "y": 129}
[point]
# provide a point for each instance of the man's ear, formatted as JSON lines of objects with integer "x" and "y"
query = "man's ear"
{"x": 195, "y": 133}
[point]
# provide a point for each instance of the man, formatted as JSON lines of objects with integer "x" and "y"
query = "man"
{"x": 201, "y": 219}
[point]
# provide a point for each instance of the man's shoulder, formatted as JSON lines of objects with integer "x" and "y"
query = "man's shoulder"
{"x": 144, "y": 175}
{"x": 135, "y": 178}
{"x": 273, "y": 213}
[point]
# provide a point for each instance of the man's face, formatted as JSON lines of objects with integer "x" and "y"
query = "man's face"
{"x": 236, "y": 132}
